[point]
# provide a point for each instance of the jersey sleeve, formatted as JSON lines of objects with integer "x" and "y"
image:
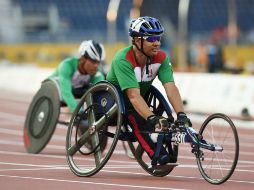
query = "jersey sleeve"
{"x": 165, "y": 73}
{"x": 125, "y": 75}
{"x": 65, "y": 75}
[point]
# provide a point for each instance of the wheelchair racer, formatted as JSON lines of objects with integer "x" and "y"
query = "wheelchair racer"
{"x": 75, "y": 75}
{"x": 133, "y": 69}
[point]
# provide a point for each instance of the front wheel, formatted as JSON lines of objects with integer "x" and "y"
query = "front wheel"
{"x": 100, "y": 111}
{"x": 217, "y": 166}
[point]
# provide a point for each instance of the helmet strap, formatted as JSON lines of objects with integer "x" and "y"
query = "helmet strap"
{"x": 148, "y": 60}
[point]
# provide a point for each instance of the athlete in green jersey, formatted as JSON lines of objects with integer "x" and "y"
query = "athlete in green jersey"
{"x": 74, "y": 75}
{"x": 133, "y": 69}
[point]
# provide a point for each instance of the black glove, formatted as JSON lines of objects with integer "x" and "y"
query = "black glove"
{"x": 182, "y": 119}
{"x": 157, "y": 122}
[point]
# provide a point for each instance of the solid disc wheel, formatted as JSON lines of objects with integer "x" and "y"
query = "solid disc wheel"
{"x": 217, "y": 166}
{"x": 41, "y": 118}
{"x": 159, "y": 106}
{"x": 98, "y": 107}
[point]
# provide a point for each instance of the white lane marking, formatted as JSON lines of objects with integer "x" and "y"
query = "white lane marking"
{"x": 117, "y": 152}
{"x": 89, "y": 182}
{"x": 58, "y": 157}
{"x": 20, "y": 134}
{"x": 61, "y": 137}
{"x": 12, "y": 117}
{"x": 176, "y": 176}
{"x": 60, "y": 167}
{"x": 56, "y": 137}
{"x": 145, "y": 174}
{"x": 131, "y": 163}
{"x": 231, "y": 180}
{"x": 56, "y": 147}
{"x": 195, "y": 119}
{"x": 109, "y": 166}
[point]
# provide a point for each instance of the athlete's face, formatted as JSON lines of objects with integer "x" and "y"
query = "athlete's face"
{"x": 151, "y": 48}
{"x": 88, "y": 66}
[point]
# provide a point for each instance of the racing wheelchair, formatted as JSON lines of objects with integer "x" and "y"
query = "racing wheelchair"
{"x": 44, "y": 113}
{"x": 215, "y": 146}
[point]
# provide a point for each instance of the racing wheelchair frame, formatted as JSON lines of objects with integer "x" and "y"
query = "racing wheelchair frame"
{"x": 215, "y": 146}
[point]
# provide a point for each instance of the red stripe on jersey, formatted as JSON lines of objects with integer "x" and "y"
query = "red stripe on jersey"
{"x": 131, "y": 58}
{"x": 159, "y": 58}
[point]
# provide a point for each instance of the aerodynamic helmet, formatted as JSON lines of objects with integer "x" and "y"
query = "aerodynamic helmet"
{"x": 92, "y": 50}
{"x": 145, "y": 26}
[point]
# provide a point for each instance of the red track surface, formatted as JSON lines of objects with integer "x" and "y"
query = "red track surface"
{"x": 49, "y": 170}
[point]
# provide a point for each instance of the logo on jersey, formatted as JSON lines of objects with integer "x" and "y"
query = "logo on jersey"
{"x": 141, "y": 75}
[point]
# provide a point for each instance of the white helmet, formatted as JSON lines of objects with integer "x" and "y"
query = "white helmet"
{"x": 92, "y": 50}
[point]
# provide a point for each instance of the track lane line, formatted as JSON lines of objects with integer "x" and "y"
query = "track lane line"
{"x": 92, "y": 183}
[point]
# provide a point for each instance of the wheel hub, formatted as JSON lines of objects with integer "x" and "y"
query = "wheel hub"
{"x": 41, "y": 116}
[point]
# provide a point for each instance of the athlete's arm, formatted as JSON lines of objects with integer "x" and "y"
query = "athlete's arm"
{"x": 165, "y": 75}
{"x": 138, "y": 102}
{"x": 65, "y": 74}
{"x": 174, "y": 96}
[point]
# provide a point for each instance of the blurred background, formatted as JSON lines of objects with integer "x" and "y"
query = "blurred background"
{"x": 201, "y": 35}
{"x": 210, "y": 43}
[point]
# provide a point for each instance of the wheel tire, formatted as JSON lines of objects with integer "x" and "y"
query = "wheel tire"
{"x": 98, "y": 158}
{"x": 41, "y": 118}
{"x": 212, "y": 131}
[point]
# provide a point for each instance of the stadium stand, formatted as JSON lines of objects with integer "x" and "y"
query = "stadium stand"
{"x": 78, "y": 18}
{"x": 204, "y": 16}
{"x": 70, "y": 21}
{"x": 64, "y": 20}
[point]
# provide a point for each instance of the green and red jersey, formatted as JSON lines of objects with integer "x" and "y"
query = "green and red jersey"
{"x": 69, "y": 77}
{"x": 126, "y": 73}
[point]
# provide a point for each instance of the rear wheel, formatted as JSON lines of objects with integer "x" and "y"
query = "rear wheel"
{"x": 41, "y": 118}
{"x": 158, "y": 106}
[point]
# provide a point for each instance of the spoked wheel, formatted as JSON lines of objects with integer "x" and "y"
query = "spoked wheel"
{"x": 100, "y": 108}
{"x": 41, "y": 118}
{"x": 217, "y": 166}
{"x": 159, "y": 106}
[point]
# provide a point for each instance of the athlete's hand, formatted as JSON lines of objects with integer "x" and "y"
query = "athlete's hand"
{"x": 158, "y": 123}
{"x": 182, "y": 119}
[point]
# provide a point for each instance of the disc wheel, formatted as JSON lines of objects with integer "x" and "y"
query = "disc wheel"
{"x": 216, "y": 167}
{"x": 100, "y": 106}
{"x": 41, "y": 118}
{"x": 158, "y": 106}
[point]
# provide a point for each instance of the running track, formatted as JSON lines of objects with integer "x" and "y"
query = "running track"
{"x": 49, "y": 170}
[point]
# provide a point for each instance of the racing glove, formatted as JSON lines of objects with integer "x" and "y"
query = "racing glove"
{"x": 157, "y": 122}
{"x": 182, "y": 119}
